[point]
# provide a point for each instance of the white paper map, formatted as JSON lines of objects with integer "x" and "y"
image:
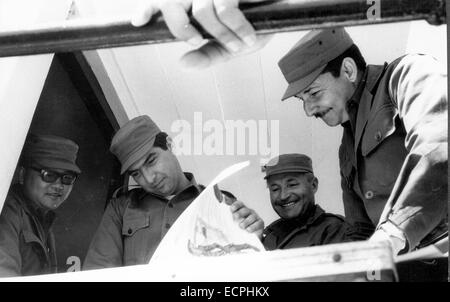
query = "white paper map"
{"x": 206, "y": 228}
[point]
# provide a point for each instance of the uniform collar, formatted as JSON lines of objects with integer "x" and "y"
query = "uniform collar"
{"x": 353, "y": 103}
{"x": 359, "y": 105}
{"x": 318, "y": 212}
{"x": 367, "y": 83}
{"x": 374, "y": 73}
{"x": 315, "y": 212}
{"x": 359, "y": 88}
{"x": 192, "y": 189}
{"x": 287, "y": 228}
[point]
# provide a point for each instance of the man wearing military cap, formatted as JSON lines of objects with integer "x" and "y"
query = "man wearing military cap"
{"x": 393, "y": 155}
{"x": 47, "y": 173}
{"x": 292, "y": 186}
{"x": 134, "y": 224}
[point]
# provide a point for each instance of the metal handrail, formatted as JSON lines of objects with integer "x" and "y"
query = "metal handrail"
{"x": 267, "y": 17}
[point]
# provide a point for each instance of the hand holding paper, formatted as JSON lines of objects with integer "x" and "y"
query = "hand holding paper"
{"x": 207, "y": 228}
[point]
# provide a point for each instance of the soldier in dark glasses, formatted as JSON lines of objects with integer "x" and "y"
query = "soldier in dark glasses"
{"x": 47, "y": 174}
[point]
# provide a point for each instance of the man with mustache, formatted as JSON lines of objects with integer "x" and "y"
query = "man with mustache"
{"x": 46, "y": 176}
{"x": 134, "y": 224}
{"x": 292, "y": 186}
{"x": 393, "y": 155}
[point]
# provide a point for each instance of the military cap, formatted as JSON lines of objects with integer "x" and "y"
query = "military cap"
{"x": 309, "y": 57}
{"x": 286, "y": 163}
{"x": 134, "y": 140}
{"x": 50, "y": 151}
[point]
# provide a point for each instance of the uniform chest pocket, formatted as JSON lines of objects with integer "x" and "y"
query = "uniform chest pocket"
{"x": 32, "y": 240}
{"x": 131, "y": 226}
{"x": 29, "y": 237}
{"x": 378, "y": 128}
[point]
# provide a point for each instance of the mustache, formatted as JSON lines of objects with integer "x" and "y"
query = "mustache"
{"x": 321, "y": 113}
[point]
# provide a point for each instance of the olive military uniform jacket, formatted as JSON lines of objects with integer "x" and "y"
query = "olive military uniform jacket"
{"x": 320, "y": 228}
{"x": 393, "y": 156}
{"x": 27, "y": 244}
{"x": 134, "y": 224}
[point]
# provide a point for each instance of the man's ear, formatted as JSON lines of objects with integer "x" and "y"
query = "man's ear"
{"x": 349, "y": 69}
{"x": 21, "y": 175}
{"x": 169, "y": 143}
{"x": 315, "y": 184}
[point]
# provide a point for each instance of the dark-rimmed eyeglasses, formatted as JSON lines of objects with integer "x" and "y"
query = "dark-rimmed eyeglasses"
{"x": 49, "y": 176}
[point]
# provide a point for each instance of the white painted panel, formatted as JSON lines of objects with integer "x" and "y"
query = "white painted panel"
{"x": 381, "y": 43}
{"x": 107, "y": 8}
{"x": 432, "y": 40}
{"x": 104, "y": 66}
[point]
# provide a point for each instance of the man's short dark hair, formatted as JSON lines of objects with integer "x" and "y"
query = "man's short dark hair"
{"x": 334, "y": 66}
{"x": 161, "y": 141}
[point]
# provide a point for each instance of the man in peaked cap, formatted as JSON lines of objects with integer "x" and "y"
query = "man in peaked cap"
{"x": 292, "y": 186}
{"x": 394, "y": 148}
{"x": 134, "y": 224}
{"x": 47, "y": 173}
